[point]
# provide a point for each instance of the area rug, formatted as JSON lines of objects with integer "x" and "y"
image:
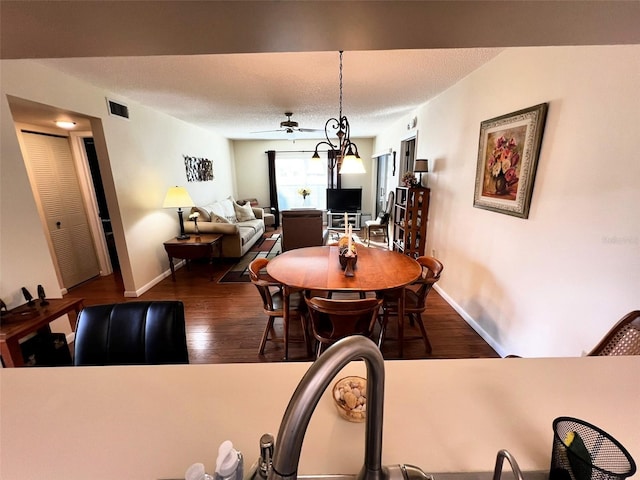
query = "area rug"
{"x": 269, "y": 247}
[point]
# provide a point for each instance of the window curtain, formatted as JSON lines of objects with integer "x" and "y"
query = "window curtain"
{"x": 273, "y": 186}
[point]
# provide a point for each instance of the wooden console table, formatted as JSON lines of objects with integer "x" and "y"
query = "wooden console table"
{"x": 23, "y": 320}
{"x": 198, "y": 246}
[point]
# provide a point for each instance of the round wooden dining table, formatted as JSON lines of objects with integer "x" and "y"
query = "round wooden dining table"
{"x": 318, "y": 268}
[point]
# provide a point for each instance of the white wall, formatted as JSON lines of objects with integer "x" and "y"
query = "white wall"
{"x": 253, "y": 174}
{"x": 551, "y": 285}
{"x": 145, "y": 155}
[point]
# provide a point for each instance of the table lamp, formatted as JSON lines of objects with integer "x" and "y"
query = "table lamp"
{"x": 178, "y": 197}
{"x": 421, "y": 166}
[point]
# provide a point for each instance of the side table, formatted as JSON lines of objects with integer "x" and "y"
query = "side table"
{"x": 197, "y": 246}
{"x": 23, "y": 320}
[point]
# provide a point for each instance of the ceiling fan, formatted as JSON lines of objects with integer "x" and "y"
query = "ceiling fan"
{"x": 290, "y": 126}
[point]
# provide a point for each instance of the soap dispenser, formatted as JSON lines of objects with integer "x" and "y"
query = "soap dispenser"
{"x": 229, "y": 463}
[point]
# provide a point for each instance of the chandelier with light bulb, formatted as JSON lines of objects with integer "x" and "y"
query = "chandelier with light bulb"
{"x": 347, "y": 151}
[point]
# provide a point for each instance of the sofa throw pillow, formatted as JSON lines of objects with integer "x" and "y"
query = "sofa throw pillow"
{"x": 205, "y": 216}
{"x": 229, "y": 211}
{"x": 244, "y": 212}
{"x": 215, "y": 209}
{"x": 215, "y": 218}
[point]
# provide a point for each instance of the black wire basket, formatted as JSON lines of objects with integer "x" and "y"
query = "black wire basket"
{"x": 582, "y": 451}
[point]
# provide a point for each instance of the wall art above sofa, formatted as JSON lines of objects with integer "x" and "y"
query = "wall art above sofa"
{"x": 198, "y": 169}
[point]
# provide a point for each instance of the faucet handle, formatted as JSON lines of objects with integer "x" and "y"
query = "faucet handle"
{"x": 266, "y": 455}
{"x": 405, "y": 472}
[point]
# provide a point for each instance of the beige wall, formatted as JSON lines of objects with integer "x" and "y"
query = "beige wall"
{"x": 553, "y": 284}
{"x": 145, "y": 155}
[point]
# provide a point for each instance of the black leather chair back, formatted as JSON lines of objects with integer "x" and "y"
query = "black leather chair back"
{"x": 132, "y": 333}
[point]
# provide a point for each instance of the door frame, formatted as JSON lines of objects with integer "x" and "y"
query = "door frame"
{"x": 404, "y": 164}
{"x": 90, "y": 200}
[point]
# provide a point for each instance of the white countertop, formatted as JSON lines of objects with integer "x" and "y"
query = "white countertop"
{"x": 442, "y": 415}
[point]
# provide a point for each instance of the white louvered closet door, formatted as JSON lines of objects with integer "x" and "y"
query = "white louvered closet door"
{"x": 61, "y": 202}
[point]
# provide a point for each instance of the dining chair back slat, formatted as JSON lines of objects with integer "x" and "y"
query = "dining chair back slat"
{"x": 334, "y": 319}
{"x": 622, "y": 339}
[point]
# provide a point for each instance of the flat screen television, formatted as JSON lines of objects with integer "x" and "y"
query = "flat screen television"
{"x": 344, "y": 199}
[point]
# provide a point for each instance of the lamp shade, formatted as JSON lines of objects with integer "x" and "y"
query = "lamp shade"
{"x": 421, "y": 165}
{"x": 352, "y": 164}
{"x": 177, "y": 197}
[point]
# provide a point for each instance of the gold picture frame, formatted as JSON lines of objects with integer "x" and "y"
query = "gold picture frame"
{"x": 508, "y": 152}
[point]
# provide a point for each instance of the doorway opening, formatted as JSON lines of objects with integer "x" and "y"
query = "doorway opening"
{"x": 101, "y": 199}
{"x": 94, "y": 183}
{"x": 407, "y": 157}
{"x": 381, "y": 183}
{"x": 54, "y": 180}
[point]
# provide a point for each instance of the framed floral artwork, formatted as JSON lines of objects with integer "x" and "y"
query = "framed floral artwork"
{"x": 508, "y": 153}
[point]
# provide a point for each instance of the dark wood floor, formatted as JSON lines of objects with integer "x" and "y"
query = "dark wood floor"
{"x": 225, "y": 321}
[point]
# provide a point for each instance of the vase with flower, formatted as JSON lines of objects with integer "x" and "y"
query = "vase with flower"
{"x": 194, "y": 216}
{"x": 304, "y": 192}
{"x": 409, "y": 179}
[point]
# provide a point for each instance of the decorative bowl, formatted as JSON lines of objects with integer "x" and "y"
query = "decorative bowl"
{"x": 350, "y": 398}
{"x": 344, "y": 258}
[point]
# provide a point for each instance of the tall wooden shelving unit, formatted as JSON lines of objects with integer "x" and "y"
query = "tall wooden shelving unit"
{"x": 410, "y": 217}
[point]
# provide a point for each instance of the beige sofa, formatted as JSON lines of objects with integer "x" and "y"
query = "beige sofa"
{"x": 241, "y": 226}
{"x": 268, "y": 217}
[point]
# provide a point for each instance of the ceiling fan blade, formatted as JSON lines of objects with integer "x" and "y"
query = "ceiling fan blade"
{"x": 270, "y": 131}
{"x": 290, "y": 127}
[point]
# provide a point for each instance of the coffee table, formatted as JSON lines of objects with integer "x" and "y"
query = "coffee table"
{"x": 197, "y": 246}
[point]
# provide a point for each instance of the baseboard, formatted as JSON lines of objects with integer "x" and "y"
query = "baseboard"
{"x": 153, "y": 283}
{"x": 471, "y": 321}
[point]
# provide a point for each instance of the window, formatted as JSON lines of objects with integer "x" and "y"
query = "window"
{"x": 295, "y": 171}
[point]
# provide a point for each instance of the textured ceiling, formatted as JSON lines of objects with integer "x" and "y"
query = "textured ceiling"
{"x": 239, "y": 94}
{"x": 237, "y": 66}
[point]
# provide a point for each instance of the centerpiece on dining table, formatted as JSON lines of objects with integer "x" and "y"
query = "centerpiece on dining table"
{"x": 347, "y": 252}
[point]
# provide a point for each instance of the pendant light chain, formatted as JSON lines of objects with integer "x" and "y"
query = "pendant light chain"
{"x": 340, "y": 116}
{"x": 347, "y": 152}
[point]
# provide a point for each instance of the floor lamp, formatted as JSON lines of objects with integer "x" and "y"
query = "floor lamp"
{"x": 178, "y": 197}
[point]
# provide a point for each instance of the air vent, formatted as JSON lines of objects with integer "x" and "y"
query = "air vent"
{"x": 117, "y": 109}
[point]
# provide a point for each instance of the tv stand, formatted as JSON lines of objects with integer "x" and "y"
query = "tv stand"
{"x": 335, "y": 220}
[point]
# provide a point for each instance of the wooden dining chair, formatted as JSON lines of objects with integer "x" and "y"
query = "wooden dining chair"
{"x": 272, "y": 295}
{"x": 381, "y": 223}
{"x": 622, "y": 339}
{"x": 415, "y": 298}
{"x": 333, "y": 319}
